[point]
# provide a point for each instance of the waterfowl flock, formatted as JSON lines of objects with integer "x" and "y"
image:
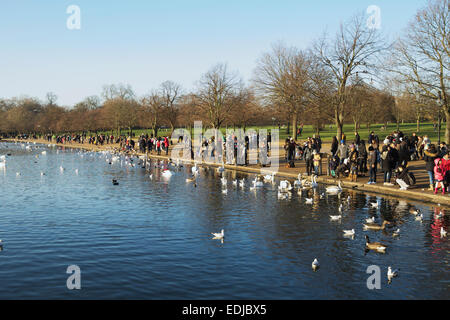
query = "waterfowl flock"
{"x": 303, "y": 185}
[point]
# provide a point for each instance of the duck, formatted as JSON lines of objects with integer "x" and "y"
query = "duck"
{"x": 419, "y": 217}
{"x": 334, "y": 189}
{"x": 443, "y": 232}
{"x": 377, "y": 246}
{"x": 336, "y": 218}
{"x": 414, "y": 211}
{"x": 396, "y": 233}
{"x": 373, "y": 226}
{"x": 283, "y": 195}
{"x": 115, "y": 182}
{"x": 220, "y": 235}
{"x": 315, "y": 265}
{"x": 349, "y": 232}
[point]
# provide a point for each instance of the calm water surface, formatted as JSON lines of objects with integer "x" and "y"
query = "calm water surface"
{"x": 151, "y": 239}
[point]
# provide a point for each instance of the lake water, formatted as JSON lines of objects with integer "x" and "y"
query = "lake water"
{"x": 151, "y": 239}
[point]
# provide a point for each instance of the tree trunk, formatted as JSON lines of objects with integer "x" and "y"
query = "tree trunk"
{"x": 418, "y": 124}
{"x": 447, "y": 126}
{"x": 339, "y": 127}
{"x": 294, "y": 125}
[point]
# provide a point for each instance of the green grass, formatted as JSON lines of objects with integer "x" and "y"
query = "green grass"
{"x": 328, "y": 133}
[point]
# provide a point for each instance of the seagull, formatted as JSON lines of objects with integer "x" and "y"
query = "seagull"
{"x": 396, "y": 233}
{"x": 242, "y": 183}
{"x": 335, "y": 218}
{"x": 309, "y": 200}
{"x": 42, "y": 174}
{"x": 76, "y": 171}
{"x": 61, "y": 169}
{"x": 391, "y": 273}
{"x": 220, "y": 235}
{"x": 225, "y": 191}
{"x": 443, "y": 232}
{"x": 315, "y": 265}
{"x": 151, "y": 177}
{"x": 235, "y": 182}
{"x": 370, "y": 220}
{"x": 349, "y": 232}
{"x": 224, "y": 181}
{"x": 374, "y": 204}
{"x": 340, "y": 208}
{"x": 419, "y": 218}
{"x": 17, "y": 174}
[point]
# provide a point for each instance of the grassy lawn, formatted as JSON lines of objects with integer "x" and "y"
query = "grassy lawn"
{"x": 328, "y": 132}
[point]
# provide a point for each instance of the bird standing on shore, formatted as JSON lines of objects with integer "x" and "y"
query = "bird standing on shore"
{"x": 315, "y": 265}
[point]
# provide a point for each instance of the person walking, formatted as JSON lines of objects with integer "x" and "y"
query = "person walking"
{"x": 439, "y": 174}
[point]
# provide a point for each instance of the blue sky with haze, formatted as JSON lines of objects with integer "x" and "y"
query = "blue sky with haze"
{"x": 144, "y": 43}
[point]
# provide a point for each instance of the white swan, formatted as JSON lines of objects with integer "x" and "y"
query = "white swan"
{"x": 220, "y": 235}
{"x": 269, "y": 178}
{"x": 224, "y": 181}
{"x": 314, "y": 183}
{"x": 285, "y": 186}
{"x": 335, "y": 189}
{"x": 167, "y": 174}
{"x": 298, "y": 182}
{"x": 221, "y": 169}
{"x": 258, "y": 183}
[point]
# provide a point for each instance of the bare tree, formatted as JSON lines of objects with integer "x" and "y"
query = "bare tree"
{"x": 217, "y": 88}
{"x": 352, "y": 50}
{"x": 422, "y": 58}
{"x": 170, "y": 93}
{"x": 282, "y": 78}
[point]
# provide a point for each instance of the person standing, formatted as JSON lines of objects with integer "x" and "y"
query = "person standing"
{"x": 386, "y": 163}
{"x": 373, "y": 163}
{"x": 334, "y": 146}
{"x": 362, "y": 160}
{"x": 429, "y": 156}
{"x": 316, "y": 162}
{"x": 308, "y": 156}
{"x": 353, "y": 158}
{"x": 342, "y": 152}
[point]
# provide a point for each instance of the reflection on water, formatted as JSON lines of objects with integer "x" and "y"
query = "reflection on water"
{"x": 151, "y": 239}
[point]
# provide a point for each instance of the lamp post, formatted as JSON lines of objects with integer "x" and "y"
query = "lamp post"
{"x": 439, "y": 116}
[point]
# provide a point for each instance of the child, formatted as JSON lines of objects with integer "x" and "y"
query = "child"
{"x": 439, "y": 174}
{"x": 334, "y": 163}
{"x": 316, "y": 162}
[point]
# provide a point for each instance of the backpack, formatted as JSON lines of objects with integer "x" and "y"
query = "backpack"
{"x": 384, "y": 155}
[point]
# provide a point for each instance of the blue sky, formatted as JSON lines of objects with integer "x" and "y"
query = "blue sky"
{"x": 144, "y": 43}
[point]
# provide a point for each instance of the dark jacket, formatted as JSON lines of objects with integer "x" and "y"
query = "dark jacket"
{"x": 372, "y": 159}
{"x": 387, "y": 163}
{"x": 429, "y": 157}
